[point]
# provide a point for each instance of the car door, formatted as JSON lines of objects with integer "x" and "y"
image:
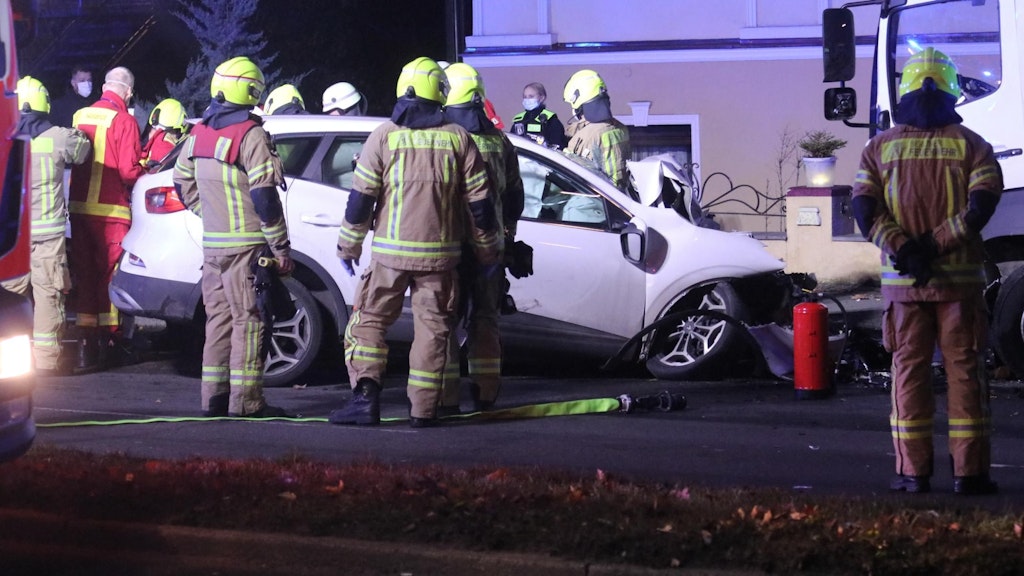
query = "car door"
{"x": 580, "y": 276}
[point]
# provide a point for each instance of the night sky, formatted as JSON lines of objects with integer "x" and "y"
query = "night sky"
{"x": 359, "y": 41}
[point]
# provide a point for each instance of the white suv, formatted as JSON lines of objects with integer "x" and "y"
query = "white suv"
{"x": 605, "y": 265}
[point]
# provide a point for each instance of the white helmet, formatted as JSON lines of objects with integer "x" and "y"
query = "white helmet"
{"x": 341, "y": 96}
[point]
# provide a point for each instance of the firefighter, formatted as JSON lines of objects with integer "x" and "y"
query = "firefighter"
{"x": 536, "y": 121}
{"x": 342, "y": 99}
{"x": 481, "y": 289}
{"x": 924, "y": 191}
{"x": 422, "y": 184}
{"x": 100, "y": 213}
{"x": 52, "y": 148}
{"x": 285, "y": 99}
{"x": 596, "y": 134}
{"x": 167, "y": 126}
{"x": 228, "y": 173}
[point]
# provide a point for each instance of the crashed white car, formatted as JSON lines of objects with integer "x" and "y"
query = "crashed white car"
{"x": 605, "y": 264}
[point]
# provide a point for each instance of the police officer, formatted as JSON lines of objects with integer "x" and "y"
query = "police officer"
{"x": 342, "y": 99}
{"x": 482, "y": 288}
{"x": 100, "y": 212}
{"x": 52, "y": 148}
{"x": 166, "y": 128}
{"x": 423, "y": 185}
{"x": 285, "y": 99}
{"x": 924, "y": 191}
{"x": 228, "y": 173}
{"x": 536, "y": 121}
{"x": 596, "y": 135}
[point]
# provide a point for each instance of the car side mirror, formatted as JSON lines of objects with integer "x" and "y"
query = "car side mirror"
{"x": 839, "y": 44}
{"x": 633, "y": 244}
{"x": 840, "y": 103}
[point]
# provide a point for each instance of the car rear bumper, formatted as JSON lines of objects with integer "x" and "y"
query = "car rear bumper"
{"x": 154, "y": 297}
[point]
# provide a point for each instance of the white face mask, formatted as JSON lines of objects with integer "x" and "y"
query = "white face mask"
{"x": 530, "y": 103}
{"x": 84, "y": 89}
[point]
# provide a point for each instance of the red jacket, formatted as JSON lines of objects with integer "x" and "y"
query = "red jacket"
{"x": 158, "y": 146}
{"x": 101, "y": 186}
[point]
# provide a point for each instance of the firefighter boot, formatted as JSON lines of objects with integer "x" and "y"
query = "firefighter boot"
{"x": 363, "y": 408}
{"x": 88, "y": 352}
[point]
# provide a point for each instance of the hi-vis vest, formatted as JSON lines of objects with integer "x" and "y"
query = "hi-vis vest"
{"x": 229, "y": 218}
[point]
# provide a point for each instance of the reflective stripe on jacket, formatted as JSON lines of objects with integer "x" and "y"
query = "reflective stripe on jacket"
{"x": 216, "y": 171}
{"x": 921, "y": 181}
{"x": 51, "y": 152}
{"x": 506, "y": 184}
{"x": 422, "y": 183}
{"x": 101, "y": 187}
{"x": 607, "y": 144}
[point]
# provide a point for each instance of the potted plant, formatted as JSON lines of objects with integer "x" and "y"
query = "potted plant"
{"x": 820, "y": 161}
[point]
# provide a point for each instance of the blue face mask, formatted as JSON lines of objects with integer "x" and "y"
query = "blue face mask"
{"x": 530, "y": 103}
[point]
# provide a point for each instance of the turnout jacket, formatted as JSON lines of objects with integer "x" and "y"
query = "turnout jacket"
{"x": 101, "y": 187}
{"x": 229, "y": 177}
{"x": 921, "y": 181}
{"x": 499, "y": 155}
{"x": 420, "y": 189}
{"x": 160, "y": 144}
{"x": 607, "y": 144}
{"x": 52, "y": 150}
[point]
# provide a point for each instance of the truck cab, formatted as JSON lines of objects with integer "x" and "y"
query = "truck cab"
{"x": 984, "y": 38}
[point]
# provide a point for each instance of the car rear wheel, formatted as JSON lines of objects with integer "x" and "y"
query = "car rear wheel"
{"x": 295, "y": 342}
{"x": 702, "y": 347}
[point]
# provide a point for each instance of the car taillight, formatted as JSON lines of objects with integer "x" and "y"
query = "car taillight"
{"x": 163, "y": 200}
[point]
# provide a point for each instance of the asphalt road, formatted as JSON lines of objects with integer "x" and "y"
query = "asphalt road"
{"x": 738, "y": 433}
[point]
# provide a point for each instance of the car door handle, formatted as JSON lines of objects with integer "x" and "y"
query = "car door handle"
{"x": 320, "y": 220}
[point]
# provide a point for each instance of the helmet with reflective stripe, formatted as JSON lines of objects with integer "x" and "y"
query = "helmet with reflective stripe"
{"x": 284, "y": 94}
{"x": 32, "y": 95}
{"x": 583, "y": 87}
{"x": 340, "y": 96}
{"x": 423, "y": 78}
{"x": 238, "y": 81}
{"x": 169, "y": 114}
{"x": 464, "y": 85}
{"x": 929, "y": 63}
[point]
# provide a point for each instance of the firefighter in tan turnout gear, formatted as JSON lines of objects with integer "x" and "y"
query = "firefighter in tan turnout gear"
{"x": 924, "y": 191}
{"x": 422, "y": 185}
{"x": 595, "y": 134}
{"x": 228, "y": 173}
{"x": 482, "y": 287}
{"x": 52, "y": 147}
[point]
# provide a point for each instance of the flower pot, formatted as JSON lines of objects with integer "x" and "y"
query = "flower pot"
{"x": 819, "y": 172}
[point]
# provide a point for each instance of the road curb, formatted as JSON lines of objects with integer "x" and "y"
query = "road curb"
{"x": 34, "y": 542}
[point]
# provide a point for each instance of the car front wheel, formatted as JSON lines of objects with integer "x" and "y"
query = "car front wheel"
{"x": 701, "y": 347}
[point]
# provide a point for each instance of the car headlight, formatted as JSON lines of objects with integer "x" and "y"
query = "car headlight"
{"x": 15, "y": 356}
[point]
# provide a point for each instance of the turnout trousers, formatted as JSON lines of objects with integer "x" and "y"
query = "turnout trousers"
{"x": 910, "y": 332}
{"x": 483, "y": 342}
{"x": 378, "y": 303}
{"x": 47, "y": 281}
{"x": 231, "y": 360}
{"x": 95, "y": 251}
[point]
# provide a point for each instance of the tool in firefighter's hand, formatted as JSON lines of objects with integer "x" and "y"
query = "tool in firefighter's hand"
{"x": 663, "y": 401}
{"x": 272, "y": 297}
{"x": 519, "y": 259}
{"x": 349, "y": 265}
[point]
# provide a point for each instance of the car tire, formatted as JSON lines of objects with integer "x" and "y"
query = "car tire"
{"x": 296, "y": 342}
{"x": 1007, "y": 330}
{"x": 702, "y": 348}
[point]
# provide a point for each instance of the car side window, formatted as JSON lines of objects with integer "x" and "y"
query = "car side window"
{"x": 551, "y": 196}
{"x": 295, "y": 153}
{"x": 339, "y": 163}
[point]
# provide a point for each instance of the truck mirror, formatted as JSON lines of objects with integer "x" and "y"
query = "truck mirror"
{"x": 839, "y": 44}
{"x": 840, "y": 103}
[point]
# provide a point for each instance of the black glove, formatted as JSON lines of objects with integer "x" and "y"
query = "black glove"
{"x": 519, "y": 259}
{"x": 915, "y": 260}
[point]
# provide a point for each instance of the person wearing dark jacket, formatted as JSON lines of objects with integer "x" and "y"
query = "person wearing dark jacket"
{"x": 924, "y": 191}
{"x": 77, "y": 96}
{"x": 536, "y": 121}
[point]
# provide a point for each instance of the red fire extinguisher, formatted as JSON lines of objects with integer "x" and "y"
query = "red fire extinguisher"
{"x": 811, "y": 365}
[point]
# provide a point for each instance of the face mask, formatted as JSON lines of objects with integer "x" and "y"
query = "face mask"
{"x": 530, "y": 103}
{"x": 84, "y": 89}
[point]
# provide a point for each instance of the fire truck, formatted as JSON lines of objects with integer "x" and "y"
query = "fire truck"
{"x": 985, "y": 38}
{"x": 17, "y": 428}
